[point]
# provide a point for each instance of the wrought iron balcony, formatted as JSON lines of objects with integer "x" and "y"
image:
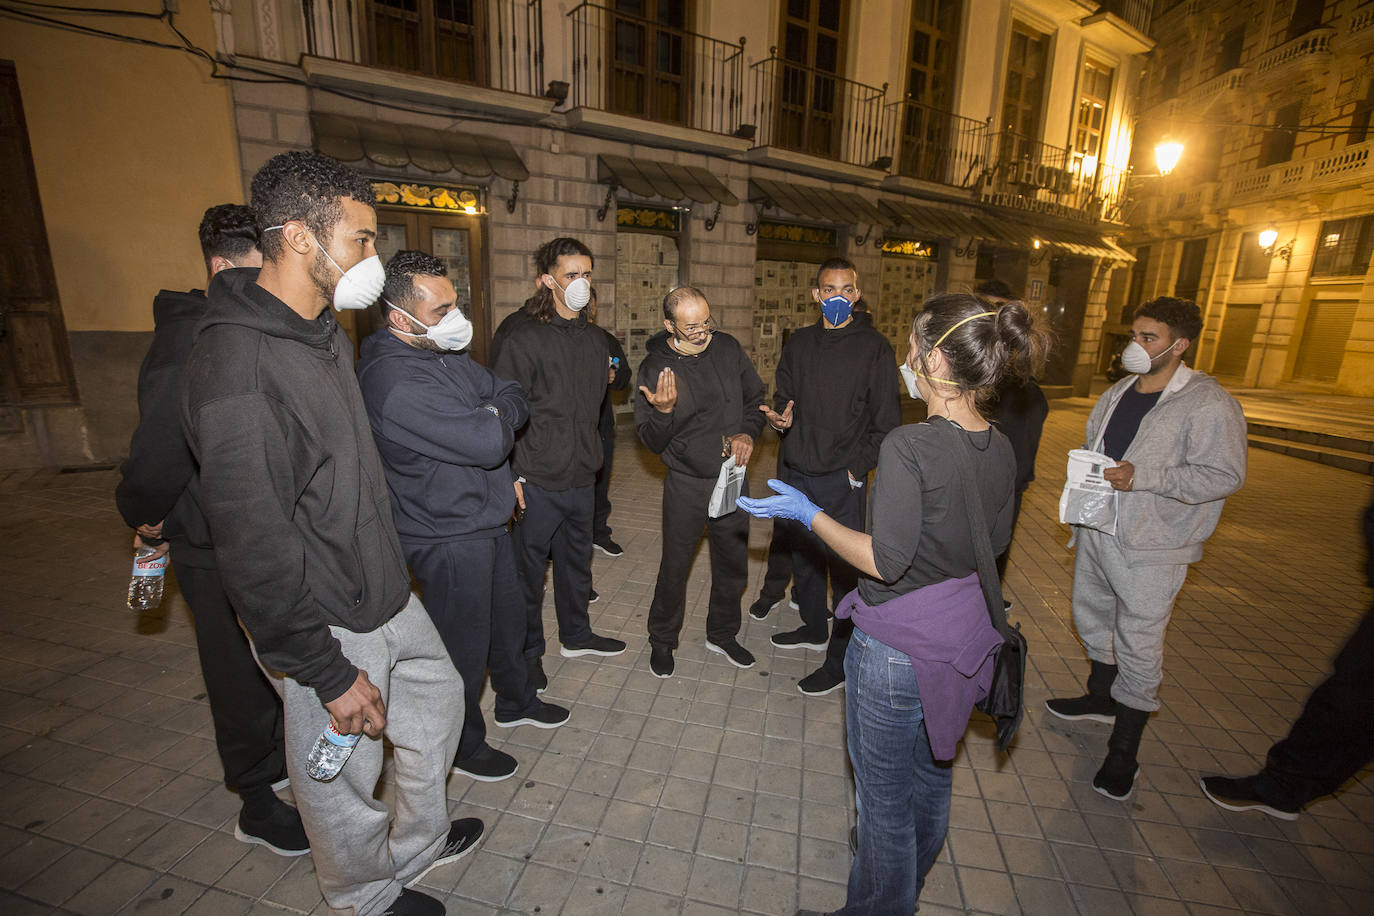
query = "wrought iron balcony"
{"x": 1029, "y": 175}
{"x": 636, "y": 66}
{"x": 935, "y": 145}
{"x": 811, "y": 111}
{"x": 497, "y": 44}
{"x": 1135, "y": 13}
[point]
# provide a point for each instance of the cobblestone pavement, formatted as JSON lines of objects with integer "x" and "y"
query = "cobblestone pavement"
{"x": 718, "y": 790}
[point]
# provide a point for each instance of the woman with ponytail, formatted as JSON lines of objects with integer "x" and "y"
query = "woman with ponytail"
{"x": 922, "y": 649}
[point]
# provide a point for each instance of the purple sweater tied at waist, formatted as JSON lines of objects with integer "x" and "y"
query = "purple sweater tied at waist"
{"x": 944, "y": 628}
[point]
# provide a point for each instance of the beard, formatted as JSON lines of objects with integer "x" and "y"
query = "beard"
{"x": 324, "y": 277}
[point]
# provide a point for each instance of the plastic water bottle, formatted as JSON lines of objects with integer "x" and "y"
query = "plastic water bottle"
{"x": 330, "y": 753}
{"x": 145, "y": 585}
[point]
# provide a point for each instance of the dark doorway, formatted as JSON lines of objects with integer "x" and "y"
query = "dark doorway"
{"x": 35, "y": 361}
{"x": 1190, "y": 269}
{"x": 1066, "y": 302}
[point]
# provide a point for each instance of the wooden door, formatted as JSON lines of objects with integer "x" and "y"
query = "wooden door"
{"x": 35, "y": 360}
{"x": 456, "y": 239}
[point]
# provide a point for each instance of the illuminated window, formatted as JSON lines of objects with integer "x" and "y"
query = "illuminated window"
{"x": 1345, "y": 247}
{"x": 1094, "y": 90}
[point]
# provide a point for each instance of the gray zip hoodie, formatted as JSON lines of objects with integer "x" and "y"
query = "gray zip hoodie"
{"x": 1189, "y": 455}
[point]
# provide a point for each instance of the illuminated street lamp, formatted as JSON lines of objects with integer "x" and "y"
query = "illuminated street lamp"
{"x": 1268, "y": 237}
{"x": 1167, "y": 155}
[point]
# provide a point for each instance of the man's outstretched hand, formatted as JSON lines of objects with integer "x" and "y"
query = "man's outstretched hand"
{"x": 778, "y": 421}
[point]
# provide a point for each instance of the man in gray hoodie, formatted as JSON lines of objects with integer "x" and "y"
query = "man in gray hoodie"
{"x": 1179, "y": 443}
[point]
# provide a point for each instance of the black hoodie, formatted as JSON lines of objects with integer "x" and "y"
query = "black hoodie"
{"x": 562, "y": 368}
{"x": 718, "y": 394}
{"x": 446, "y": 453}
{"x": 160, "y": 466}
{"x": 290, "y": 481}
{"x": 844, "y": 382}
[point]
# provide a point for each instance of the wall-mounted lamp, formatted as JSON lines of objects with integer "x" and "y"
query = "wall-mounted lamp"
{"x": 1167, "y": 155}
{"x": 1268, "y": 237}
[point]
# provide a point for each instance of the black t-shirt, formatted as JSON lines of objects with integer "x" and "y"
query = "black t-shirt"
{"x": 916, "y": 513}
{"x": 1125, "y": 421}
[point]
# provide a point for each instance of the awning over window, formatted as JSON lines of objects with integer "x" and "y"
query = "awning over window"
{"x": 815, "y": 203}
{"x": 1083, "y": 241}
{"x": 648, "y": 178}
{"x": 943, "y": 222}
{"x": 399, "y": 145}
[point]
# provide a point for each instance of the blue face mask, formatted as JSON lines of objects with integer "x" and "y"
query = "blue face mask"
{"x": 837, "y": 309}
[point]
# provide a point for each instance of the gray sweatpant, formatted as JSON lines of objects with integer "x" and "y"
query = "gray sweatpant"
{"x": 1121, "y": 613}
{"x": 360, "y": 864}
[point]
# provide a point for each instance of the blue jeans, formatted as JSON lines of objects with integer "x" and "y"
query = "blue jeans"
{"x": 903, "y": 794}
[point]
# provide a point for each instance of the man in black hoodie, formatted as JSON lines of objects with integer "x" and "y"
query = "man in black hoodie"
{"x": 295, "y": 495}
{"x": 836, "y": 398}
{"x": 154, "y": 499}
{"x": 445, "y": 426}
{"x": 560, "y": 361}
{"x": 700, "y": 404}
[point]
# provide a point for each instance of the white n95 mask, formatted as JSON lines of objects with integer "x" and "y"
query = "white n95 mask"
{"x": 1136, "y": 360}
{"x": 452, "y": 332}
{"x": 577, "y": 294}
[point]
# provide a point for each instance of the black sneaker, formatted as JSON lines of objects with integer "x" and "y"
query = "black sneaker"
{"x": 661, "y": 661}
{"x": 1240, "y": 795}
{"x": 280, "y": 831}
{"x": 761, "y": 608}
{"x": 463, "y": 835}
{"x": 414, "y": 903}
{"x": 739, "y": 656}
{"x": 487, "y": 765}
{"x": 820, "y": 682}
{"x": 1090, "y": 707}
{"x": 1116, "y": 778}
{"x": 534, "y": 670}
{"x": 609, "y": 547}
{"x": 1094, "y": 709}
{"x": 797, "y": 639}
{"x": 594, "y": 645}
{"x": 1006, "y": 606}
{"x": 540, "y": 715}
{"x": 593, "y": 597}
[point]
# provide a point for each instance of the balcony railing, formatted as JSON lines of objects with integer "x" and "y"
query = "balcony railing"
{"x": 636, "y": 66}
{"x": 1353, "y": 165}
{"x": 1136, "y": 13}
{"x": 811, "y": 111}
{"x": 1029, "y": 175}
{"x": 1305, "y": 55}
{"x": 935, "y": 145}
{"x": 1230, "y": 81}
{"x": 493, "y": 43}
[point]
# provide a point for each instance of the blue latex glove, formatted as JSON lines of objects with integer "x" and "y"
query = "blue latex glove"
{"x": 789, "y": 503}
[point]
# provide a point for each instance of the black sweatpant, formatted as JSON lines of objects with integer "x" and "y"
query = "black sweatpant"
{"x": 779, "y": 570}
{"x": 557, "y": 523}
{"x": 685, "y": 503}
{"x": 1331, "y": 741}
{"x": 246, "y": 710}
{"x": 473, "y": 595}
{"x": 819, "y": 569}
